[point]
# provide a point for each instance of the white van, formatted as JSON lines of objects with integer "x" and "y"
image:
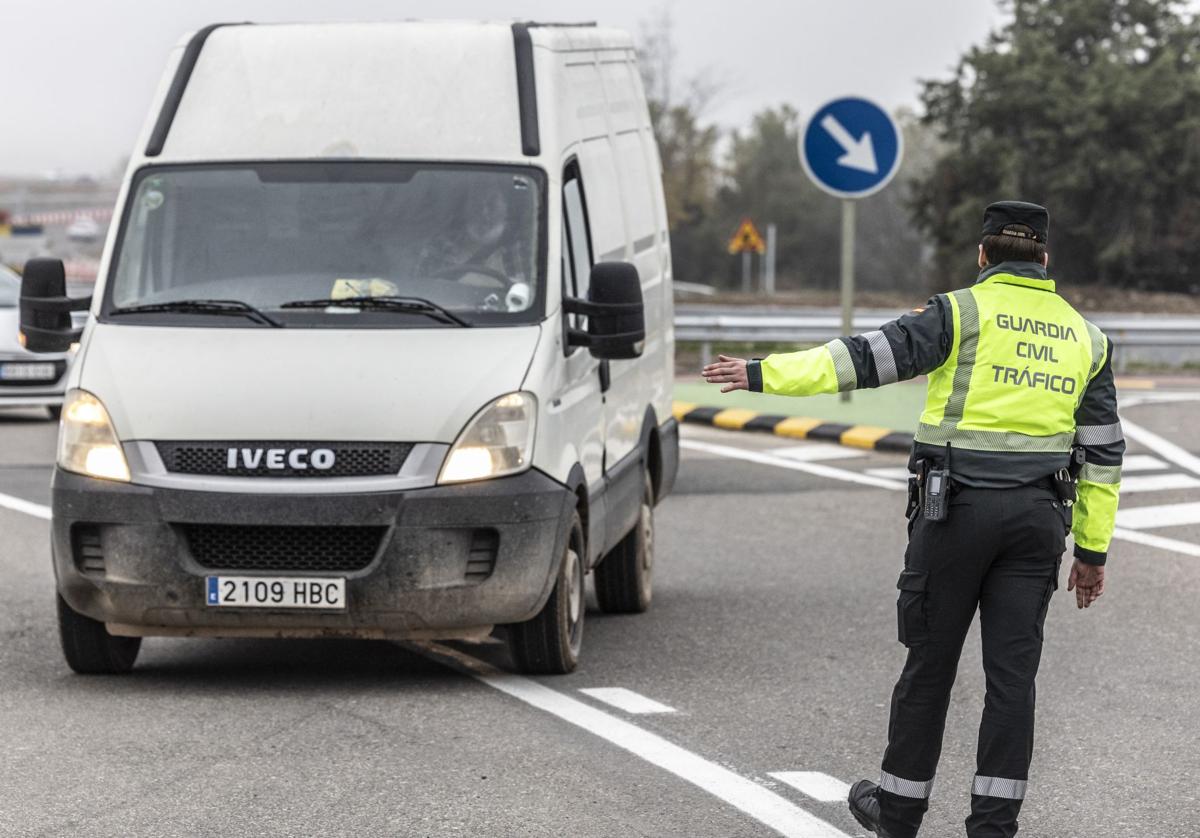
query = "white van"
{"x": 381, "y": 346}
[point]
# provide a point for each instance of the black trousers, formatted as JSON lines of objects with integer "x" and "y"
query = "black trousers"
{"x": 1000, "y": 550}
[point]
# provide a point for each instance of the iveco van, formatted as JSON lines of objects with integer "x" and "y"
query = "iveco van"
{"x": 381, "y": 346}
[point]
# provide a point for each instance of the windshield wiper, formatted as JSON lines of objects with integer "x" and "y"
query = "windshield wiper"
{"x": 416, "y": 305}
{"x": 229, "y": 308}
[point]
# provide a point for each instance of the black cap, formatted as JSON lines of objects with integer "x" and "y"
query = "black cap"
{"x": 1034, "y": 218}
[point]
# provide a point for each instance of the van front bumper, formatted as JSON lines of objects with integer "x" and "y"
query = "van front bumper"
{"x": 450, "y": 561}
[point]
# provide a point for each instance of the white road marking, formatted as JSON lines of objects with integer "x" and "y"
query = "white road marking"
{"x": 1162, "y": 447}
{"x": 816, "y": 785}
{"x": 1172, "y": 544}
{"x": 1167, "y": 515}
{"x": 20, "y": 505}
{"x": 1141, "y": 462}
{"x": 1157, "y": 398}
{"x": 890, "y": 473}
{"x": 759, "y": 802}
{"x": 780, "y": 462}
{"x": 1125, "y": 534}
{"x": 1158, "y": 483}
{"x": 627, "y": 700}
{"x": 818, "y": 451}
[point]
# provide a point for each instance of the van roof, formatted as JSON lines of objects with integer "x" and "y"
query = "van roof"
{"x": 445, "y": 90}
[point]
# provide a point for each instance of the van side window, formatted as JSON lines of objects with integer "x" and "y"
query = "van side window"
{"x": 578, "y": 239}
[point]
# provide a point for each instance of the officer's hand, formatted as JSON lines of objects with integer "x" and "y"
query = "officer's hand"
{"x": 1087, "y": 580}
{"x": 728, "y": 371}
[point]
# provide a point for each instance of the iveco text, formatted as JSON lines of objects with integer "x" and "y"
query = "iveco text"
{"x": 298, "y": 459}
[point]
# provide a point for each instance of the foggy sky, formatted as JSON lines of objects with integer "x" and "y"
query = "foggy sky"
{"x": 76, "y": 76}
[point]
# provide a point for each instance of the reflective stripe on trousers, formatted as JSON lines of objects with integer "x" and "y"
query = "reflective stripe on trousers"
{"x": 919, "y": 789}
{"x": 999, "y": 787}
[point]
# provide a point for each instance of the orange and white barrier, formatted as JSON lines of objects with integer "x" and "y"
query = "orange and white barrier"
{"x": 61, "y": 216}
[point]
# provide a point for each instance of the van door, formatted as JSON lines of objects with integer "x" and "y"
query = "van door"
{"x": 584, "y": 399}
{"x": 625, "y": 401}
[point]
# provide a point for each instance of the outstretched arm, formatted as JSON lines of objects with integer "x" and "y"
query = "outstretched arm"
{"x": 908, "y": 346}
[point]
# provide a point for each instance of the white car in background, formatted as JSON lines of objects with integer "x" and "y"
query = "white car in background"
{"x": 26, "y": 379}
{"x": 84, "y": 229}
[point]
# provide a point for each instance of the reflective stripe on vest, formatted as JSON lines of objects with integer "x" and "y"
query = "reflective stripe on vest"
{"x": 1018, "y": 367}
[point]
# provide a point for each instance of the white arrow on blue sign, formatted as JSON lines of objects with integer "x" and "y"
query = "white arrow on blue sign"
{"x": 851, "y": 148}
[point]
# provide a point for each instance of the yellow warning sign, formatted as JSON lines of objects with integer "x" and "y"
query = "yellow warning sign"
{"x": 747, "y": 238}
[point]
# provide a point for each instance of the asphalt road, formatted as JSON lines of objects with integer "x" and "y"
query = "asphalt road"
{"x": 771, "y": 639}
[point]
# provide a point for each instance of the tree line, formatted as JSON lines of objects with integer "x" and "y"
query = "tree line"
{"x": 1090, "y": 107}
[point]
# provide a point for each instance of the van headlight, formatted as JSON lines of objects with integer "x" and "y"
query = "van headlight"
{"x": 496, "y": 442}
{"x": 87, "y": 443}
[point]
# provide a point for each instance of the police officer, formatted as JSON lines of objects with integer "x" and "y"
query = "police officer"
{"x": 1019, "y": 431}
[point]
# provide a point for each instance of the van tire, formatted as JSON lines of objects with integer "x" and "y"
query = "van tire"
{"x": 624, "y": 578}
{"x": 89, "y": 648}
{"x": 549, "y": 644}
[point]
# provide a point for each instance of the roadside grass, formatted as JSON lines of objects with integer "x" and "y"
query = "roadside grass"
{"x": 897, "y": 407}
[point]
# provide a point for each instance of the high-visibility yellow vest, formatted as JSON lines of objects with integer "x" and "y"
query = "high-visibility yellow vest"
{"x": 1018, "y": 367}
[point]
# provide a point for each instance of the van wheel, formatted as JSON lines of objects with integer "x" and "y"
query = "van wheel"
{"x": 55, "y": 411}
{"x": 549, "y": 644}
{"x": 89, "y": 648}
{"x": 624, "y": 578}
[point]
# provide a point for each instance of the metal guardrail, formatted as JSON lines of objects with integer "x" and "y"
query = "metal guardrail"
{"x": 710, "y": 324}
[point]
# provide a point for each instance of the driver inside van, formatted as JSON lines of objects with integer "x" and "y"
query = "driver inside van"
{"x": 481, "y": 248}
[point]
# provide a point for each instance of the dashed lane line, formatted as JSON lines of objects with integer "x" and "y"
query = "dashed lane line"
{"x": 37, "y": 510}
{"x": 1160, "y": 446}
{"x": 1151, "y": 517}
{"x": 893, "y": 473}
{"x": 795, "y": 465}
{"x": 1141, "y": 462}
{"x": 1162, "y": 543}
{"x": 760, "y": 803}
{"x": 818, "y": 451}
{"x": 816, "y": 785}
{"x": 1158, "y": 483}
{"x": 627, "y": 700}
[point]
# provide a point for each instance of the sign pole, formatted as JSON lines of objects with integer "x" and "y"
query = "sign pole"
{"x": 848, "y": 232}
{"x": 769, "y": 262}
{"x": 745, "y": 271}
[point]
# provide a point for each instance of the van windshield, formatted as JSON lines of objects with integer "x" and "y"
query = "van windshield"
{"x": 444, "y": 245}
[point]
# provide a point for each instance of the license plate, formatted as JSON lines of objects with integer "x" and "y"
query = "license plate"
{"x": 28, "y": 372}
{"x": 276, "y": 592}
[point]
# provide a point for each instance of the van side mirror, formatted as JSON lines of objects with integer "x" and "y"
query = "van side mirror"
{"x": 615, "y": 312}
{"x": 46, "y": 309}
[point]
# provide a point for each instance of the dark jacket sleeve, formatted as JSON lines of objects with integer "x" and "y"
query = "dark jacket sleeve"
{"x": 913, "y": 344}
{"x": 1098, "y": 432}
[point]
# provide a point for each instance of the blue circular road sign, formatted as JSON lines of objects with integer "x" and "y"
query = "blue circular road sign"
{"x": 851, "y": 148}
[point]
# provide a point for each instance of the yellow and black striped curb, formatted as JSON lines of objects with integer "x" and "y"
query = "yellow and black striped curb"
{"x": 794, "y": 427}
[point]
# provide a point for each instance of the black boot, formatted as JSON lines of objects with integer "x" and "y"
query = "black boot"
{"x": 864, "y": 805}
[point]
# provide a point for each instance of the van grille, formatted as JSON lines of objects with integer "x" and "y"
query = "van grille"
{"x": 318, "y": 549}
{"x": 351, "y": 459}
